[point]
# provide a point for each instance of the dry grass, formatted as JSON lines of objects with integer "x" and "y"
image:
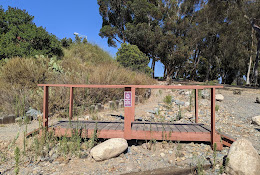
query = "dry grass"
{"x": 81, "y": 64}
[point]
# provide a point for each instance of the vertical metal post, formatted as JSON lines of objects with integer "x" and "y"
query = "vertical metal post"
{"x": 196, "y": 106}
{"x": 71, "y": 103}
{"x": 45, "y": 106}
{"x": 213, "y": 136}
{"x": 129, "y": 115}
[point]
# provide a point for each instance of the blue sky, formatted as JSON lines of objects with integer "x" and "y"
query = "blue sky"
{"x": 64, "y": 17}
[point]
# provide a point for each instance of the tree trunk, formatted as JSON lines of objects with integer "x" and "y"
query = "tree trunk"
{"x": 256, "y": 63}
{"x": 207, "y": 72}
{"x": 164, "y": 72}
{"x": 250, "y": 60}
{"x": 169, "y": 76}
{"x": 248, "y": 71}
{"x": 153, "y": 67}
{"x": 257, "y": 29}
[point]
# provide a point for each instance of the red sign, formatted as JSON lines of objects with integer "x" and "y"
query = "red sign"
{"x": 128, "y": 99}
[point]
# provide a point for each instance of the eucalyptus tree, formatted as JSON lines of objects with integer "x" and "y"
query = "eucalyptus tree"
{"x": 115, "y": 15}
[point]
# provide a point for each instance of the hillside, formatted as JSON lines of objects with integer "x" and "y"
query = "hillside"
{"x": 81, "y": 64}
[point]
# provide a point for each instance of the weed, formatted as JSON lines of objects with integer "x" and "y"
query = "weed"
{"x": 214, "y": 154}
{"x": 200, "y": 169}
{"x": 151, "y": 144}
{"x": 94, "y": 137}
{"x": 162, "y": 118}
{"x": 222, "y": 167}
{"x": 178, "y": 148}
{"x": 168, "y": 100}
{"x": 36, "y": 146}
{"x": 190, "y": 101}
{"x": 160, "y": 92}
{"x": 217, "y": 108}
{"x": 14, "y": 140}
{"x": 179, "y": 115}
{"x": 17, "y": 159}
{"x": 76, "y": 142}
{"x": 24, "y": 139}
{"x": 94, "y": 116}
{"x": 64, "y": 146}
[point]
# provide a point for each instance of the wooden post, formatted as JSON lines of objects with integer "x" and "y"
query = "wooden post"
{"x": 129, "y": 114}
{"x": 196, "y": 106}
{"x": 213, "y": 137}
{"x": 45, "y": 107}
{"x": 71, "y": 103}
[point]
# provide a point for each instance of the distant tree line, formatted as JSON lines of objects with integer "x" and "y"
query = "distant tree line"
{"x": 199, "y": 40}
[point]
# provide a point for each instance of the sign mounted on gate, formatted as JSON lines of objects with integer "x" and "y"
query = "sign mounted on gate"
{"x": 128, "y": 99}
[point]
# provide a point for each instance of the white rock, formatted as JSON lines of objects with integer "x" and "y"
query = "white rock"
{"x": 256, "y": 120}
{"x": 108, "y": 149}
{"x": 186, "y": 104}
{"x": 162, "y": 154}
{"x": 219, "y": 97}
{"x": 243, "y": 159}
{"x": 187, "y": 93}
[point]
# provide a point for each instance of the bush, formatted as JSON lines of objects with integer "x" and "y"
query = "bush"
{"x": 81, "y": 64}
{"x": 131, "y": 57}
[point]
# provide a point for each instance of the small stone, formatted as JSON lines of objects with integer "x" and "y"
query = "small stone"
{"x": 178, "y": 159}
{"x": 256, "y": 120}
{"x": 219, "y": 97}
{"x": 162, "y": 155}
{"x": 186, "y": 104}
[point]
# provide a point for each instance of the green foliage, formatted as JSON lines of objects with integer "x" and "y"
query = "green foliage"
{"x": 17, "y": 160}
{"x": 168, "y": 100}
{"x": 19, "y": 36}
{"x": 198, "y": 40}
{"x": 131, "y": 57}
{"x": 81, "y": 64}
{"x": 179, "y": 115}
{"x": 115, "y": 15}
{"x": 66, "y": 43}
{"x": 94, "y": 137}
{"x": 214, "y": 154}
{"x": 217, "y": 108}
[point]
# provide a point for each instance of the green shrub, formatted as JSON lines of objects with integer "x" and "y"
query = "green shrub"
{"x": 131, "y": 57}
{"x": 168, "y": 100}
{"x": 217, "y": 107}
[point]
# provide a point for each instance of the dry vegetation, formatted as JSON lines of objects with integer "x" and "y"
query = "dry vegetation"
{"x": 81, "y": 64}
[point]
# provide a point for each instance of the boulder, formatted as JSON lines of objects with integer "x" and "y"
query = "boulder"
{"x": 219, "y": 97}
{"x": 109, "y": 149}
{"x": 256, "y": 120}
{"x": 243, "y": 159}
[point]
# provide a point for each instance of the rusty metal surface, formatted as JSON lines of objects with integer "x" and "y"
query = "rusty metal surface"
{"x": 132, "y": 86}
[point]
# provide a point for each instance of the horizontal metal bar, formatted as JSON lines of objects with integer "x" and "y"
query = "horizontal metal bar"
{"x": 132, "y": 86}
